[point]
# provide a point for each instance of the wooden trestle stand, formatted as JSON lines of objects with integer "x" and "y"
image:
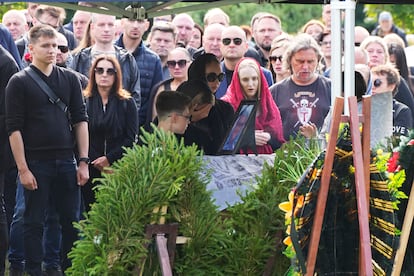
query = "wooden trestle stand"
{"x": 361, "y": 156}
{"x": 166, "y": 238}
{"x": 405, "y": 234}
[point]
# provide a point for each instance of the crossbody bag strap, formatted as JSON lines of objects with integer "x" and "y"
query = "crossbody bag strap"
{"x": 53, "y": 98}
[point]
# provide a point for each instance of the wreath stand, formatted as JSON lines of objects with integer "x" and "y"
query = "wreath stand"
{"x": 361, "y": 156}
{"x": 166, "y": 239}
{"x": 405, "y": 234}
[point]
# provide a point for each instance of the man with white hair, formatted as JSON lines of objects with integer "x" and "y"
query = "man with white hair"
{"x": 216, "y": 15}
{"x": 387, "y": 26}
{"x": 360, "y": 34}
{"x": 15, "y": 22}
{"x": 211, "y": 41}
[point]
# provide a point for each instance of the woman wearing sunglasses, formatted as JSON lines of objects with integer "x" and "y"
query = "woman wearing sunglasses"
{"x": 279, "y": 47}
{"x": 249, "y": 83}
{"x": 385, "y": 78}
{"x": 179, "y": 59}
{"x": 214, "y": 126}
{"x": 113, "y": 120}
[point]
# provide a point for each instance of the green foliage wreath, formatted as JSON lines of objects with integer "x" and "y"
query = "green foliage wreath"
{"x": 244, "y": 240}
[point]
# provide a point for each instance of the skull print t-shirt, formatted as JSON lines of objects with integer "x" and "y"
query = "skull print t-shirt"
{"x": 301, "y": 105}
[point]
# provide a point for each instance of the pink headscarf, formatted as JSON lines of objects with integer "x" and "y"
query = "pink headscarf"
{"x": 268, "y": 118}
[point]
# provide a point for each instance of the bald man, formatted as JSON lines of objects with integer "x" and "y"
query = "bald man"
{"x": 234, "y": 46}
{"x": 360, "y": 34}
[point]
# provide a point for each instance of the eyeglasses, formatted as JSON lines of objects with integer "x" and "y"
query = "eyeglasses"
{"x": 181, "y": 63}
{"x": 275, "y": 58}
{"x": 63, "y": 49}
{"x": 109, "y": 71}
{"x": 377, "y": 83}
{"x": 212, "y": 77}
{"x": 237, "y": 41}
{"x": 188, "y": 117}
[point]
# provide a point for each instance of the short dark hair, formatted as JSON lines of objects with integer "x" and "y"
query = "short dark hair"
{"x": 165, "y": 27}
{"x": 171, "y": 101}
{"x": 41, "y": 30}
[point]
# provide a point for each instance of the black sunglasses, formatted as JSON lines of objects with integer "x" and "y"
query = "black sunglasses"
{"x": 63, "y": 49}
{"x": 172, "y": 63}
{"x": 237, "y": 41}
{"x": 212, "y": 77}
{"x": 377, "y": 83}
{"x": 275, "y": 58}
{"x": 109, "y": 71}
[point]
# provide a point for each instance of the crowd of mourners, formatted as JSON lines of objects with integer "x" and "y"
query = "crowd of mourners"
{"x": 73, "y": 95}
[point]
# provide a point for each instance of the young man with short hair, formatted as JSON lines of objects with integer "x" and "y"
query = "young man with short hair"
{"x": 173, "y": 109}
{"x": 42, "y": 137}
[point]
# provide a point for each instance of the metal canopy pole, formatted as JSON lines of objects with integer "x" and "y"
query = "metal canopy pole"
{"x": 348, "y": 63}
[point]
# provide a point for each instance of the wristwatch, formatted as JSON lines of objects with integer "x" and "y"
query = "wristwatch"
{"x": 84, "y": 159}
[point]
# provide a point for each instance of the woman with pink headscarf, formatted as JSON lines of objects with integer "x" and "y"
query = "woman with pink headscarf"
{"x": 249, "y": 83}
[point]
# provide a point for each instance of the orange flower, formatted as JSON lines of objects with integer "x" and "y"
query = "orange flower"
{"x": 287, "y": 241}
{"x": 287, "y": 206}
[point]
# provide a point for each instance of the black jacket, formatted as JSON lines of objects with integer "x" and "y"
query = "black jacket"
{"x": 113, "y": 129}
{"x": 150, "y": 69}
{"x": 7, "y": 68}
{"x": 82, "y": 61}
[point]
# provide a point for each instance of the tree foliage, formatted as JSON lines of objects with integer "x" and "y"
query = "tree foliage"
{"x": 11, "y": 6}
{"x": 403, "y": 15}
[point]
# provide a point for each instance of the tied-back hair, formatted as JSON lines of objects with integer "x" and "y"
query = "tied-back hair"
{"x": 116, "y": 87}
